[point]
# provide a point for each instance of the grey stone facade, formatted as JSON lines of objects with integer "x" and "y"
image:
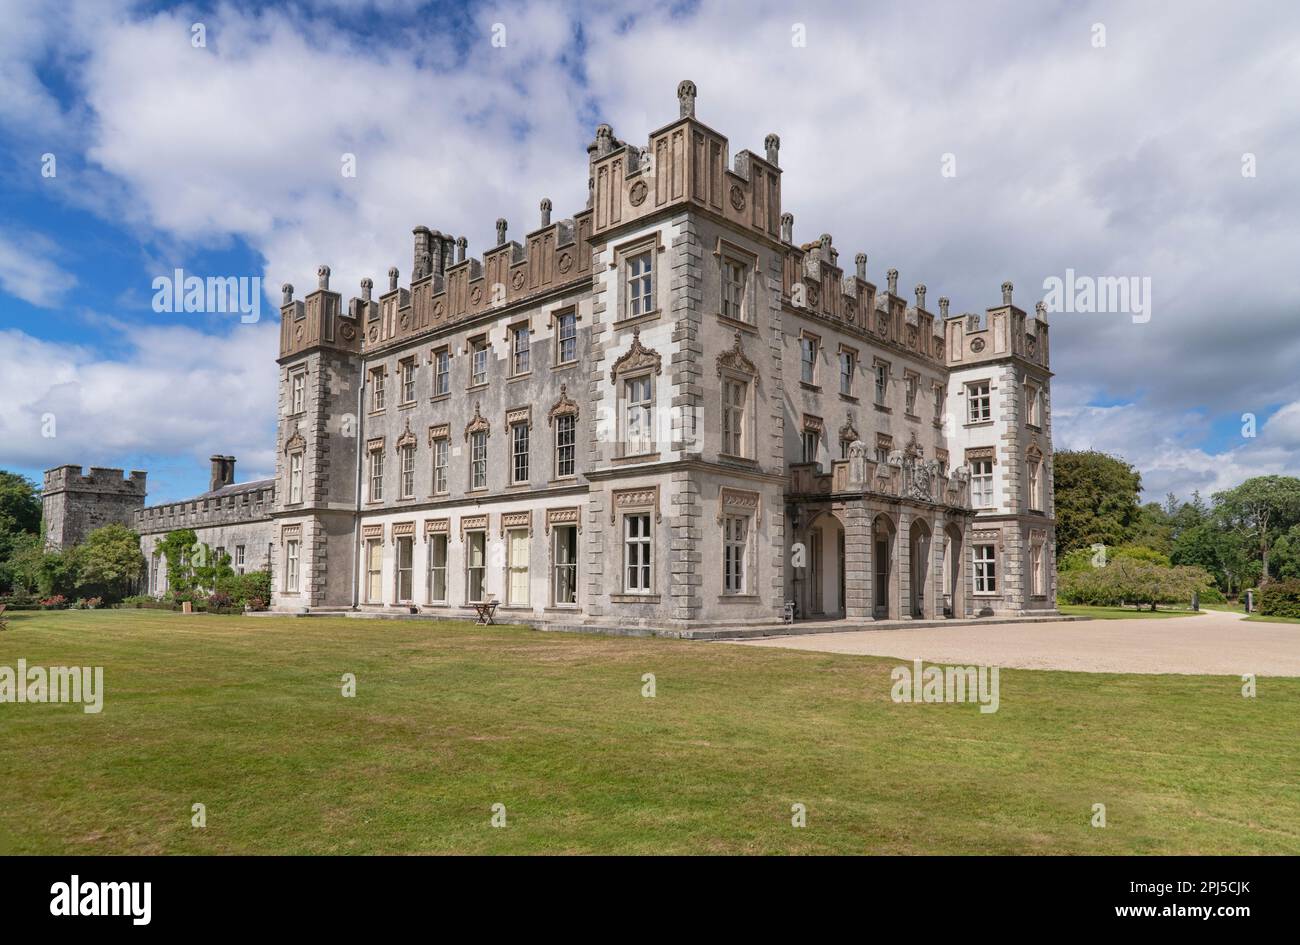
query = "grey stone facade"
{"x": 660, "y": 413}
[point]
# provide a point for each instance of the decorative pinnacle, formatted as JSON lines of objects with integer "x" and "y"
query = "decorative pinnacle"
{"x": 772, "y": 145}
{"x": 686, "y": 98}
{"x": 392, "y": 278}
{"x": 323, "y": 277}
{"x": 860, "y": 260}
{"x": 920, "y": 296}
{"x": 501, "y": 231}
{"x": 787, "y": 227}
{"x": 366, "y": 285}
{"x": 891, "y": 279}
{"x": 286, "y": 293}
{"x": 546, "y": 211}
{"x": 1006, "y": 292}
{"x": 461, "y": 243}
{"x": 943, "y": 306}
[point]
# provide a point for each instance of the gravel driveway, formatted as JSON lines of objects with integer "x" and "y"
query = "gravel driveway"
{"x": 1214, "y": 643}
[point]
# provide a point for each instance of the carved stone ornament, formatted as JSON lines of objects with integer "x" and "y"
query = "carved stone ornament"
{"x": 563, "y": 517}
{"x": 517, "y": 279}
{"x": 407, "y": 438}
{"x": 562, "y": 407}
{"x": 977, "y": 345}
{"x": 739, "y": 502}
{"x": 295, "y": 440}
{"x": 476, "y": 295}
{"x": 734, "y": 359}
{"x": 478, "y": 425}
{"x": 566, "y": 262}
{"x": 635, "y": 500}
{"x": 737, "y": 197}
{"x": 347, "y": 331}
{"x": 849, "y": 431}
{"x": 638, "y": 193}
{"x": 637, "y": 357}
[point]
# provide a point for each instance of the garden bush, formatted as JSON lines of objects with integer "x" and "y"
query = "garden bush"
{"x": 1281, "y": 599}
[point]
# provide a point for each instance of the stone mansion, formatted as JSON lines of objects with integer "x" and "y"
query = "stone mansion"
{"x": 660, "y": 413}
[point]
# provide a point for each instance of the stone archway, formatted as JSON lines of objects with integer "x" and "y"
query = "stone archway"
{"x": 884, "y": 567}
{"x": 920, "y": 603}
{"x": 824, "y": 592}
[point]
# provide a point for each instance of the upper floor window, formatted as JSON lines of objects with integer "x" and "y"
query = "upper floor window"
{"x": 440, "y": 451}
{"x": 295, "y": 477}
{"x": 441, "y": 372}
{"x": 808, "y": 359}
{"x": 640, "y": 284}
{"x": 478, "y": 460}
{"x": 567, "y": 335}
{"x": 407, "y": 374}
{"x": 811, "y": 443}
{"x": 1032, "y": 406}
{"x": 377, "y": 475}
{"x": 848, "y": 366}
{"x": 478, "y": 362}
{"x": 566, "y": 439}
{"x": 981, "y": 483}
{"x": 940, "y": 400}
{"x": 979, "y": 402}
{"x": 408, "y": 471}
{"x": 882, "y": 381}
{"x": 638, "y": 427}
{"x": 1033, "y": 483}
{"x": 299, "y": 392}
{"x": 519, "y": 453}
{"x": 520, "y": 346}
{"x": 735, "y": 397}
{"x": 377, "y": 378}
{"x": 909, "y": 387}
{"x": 733, "y": 289}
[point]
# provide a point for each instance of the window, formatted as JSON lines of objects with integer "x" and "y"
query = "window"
{"x": 636, "y": 554}
{"x": 374, "y": 571}
{"x": 940, "y": 401}
{"x": 986, "y": 579}
{"x": 811, "y": 443}
{"x": 566, "y": 438}
{"x": 1031, "y": 405}
{"x": 405, "y": 562}
{"x": 239, "y": 558}
{"x": 519, "y": 453}
{"x": 376, "y": 475}
{"x": 299, "y": 392}
{"x": 808, "y": 359}
{"x": 407, "y": 374}
{"x": 291, "y": 566}
{"x": 565, "y": 558}
{"x": 640, "y": 285}
{"x": 981, "y": 483}
{"x": 478, "y": 363}
{"x": 478, "y": 460}
{"x": 475, "y": 567}
{"x": 882, "y": 382}
{"x": 638, "y": 395}
{"x": 848, "y": 363}
{"x": 882, "y": 452}
{"x": 440, "y": 466}
{"x": 520, "y": 344}
{"x": 1032, "y": 467}
{"x": 567, "y": 335}
{"x": 910, "y": 382}
{"x": 517, "y": 541}
{"x": 979, "y": 405}
{"x": 735, "y": 396}
{"x": 733, "y": 289}
{"x": 438, "y": 569}
{"x": 1035, "y": 570}
{"x": 441, "y": 372}
{"x": 408, "y": 471}
{"x": 735, "y": 544}
{"x": 295, "y": 477}
{"x": 377, "y": 389}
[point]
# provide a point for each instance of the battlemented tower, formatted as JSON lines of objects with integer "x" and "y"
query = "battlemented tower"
{"x": 74, "y": 505}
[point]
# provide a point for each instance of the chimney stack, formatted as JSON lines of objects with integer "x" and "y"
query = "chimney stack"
{"x": 228, "y": 471}
{"x": 920, "y": 296}
{"x": 423, "y": 256}
{"x": 787, "y": 227}
{"x": 461, "y": 243}
{"x": 501, "y": 231}
{"x": 860, "y": 260}
{"x": 772, "y": 144}
{"x": 943, "y": 306}
{"x": 217, "y": 473}
{"x": 891, "y": 279}
{"x": 1006, "y": 293}
{"x": 546, "y": 211}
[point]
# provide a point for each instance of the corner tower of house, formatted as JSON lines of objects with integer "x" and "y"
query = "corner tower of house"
{"x": 74, "y": 504}
{"x": 317, "y": 449}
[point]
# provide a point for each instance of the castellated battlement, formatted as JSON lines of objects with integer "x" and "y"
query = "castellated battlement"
{"x": 100, "y": 479}
{"x": 1002, "y": 331}
{"x": 74, "y": 504}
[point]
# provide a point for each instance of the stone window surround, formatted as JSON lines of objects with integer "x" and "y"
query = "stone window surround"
{"x": 725, "y": 250}
{"x": 519, "y": 416}
{"x": 965, "y": 392}
{"x": 639, "y": 500}
{"x": 292, "y": 375}
{"x": 636, "y": 363}
{"x": 379, "y": 370}
{"x": 373, "y": 445}
{"x": 853, "y": 377}
{"x": 433, "y": 370}
{"x": 471, "y": 346}
{"x": 746, "y": 504}
{"x": 992, "y": 538}
{"x": 569, "y": 517}
{"x": 523, "y": 322}
{"x": 732, "y": 365}
{"x": 553, "y": 320}
{"x": 876, "y": 364}
{"x": 412, "y": 360}
{"x": 619, "y": 256}
{"x": 816, "y": 339}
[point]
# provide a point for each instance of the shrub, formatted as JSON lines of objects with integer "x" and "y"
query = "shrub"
{"x": 54, "y": 602}
{"x": 1129, "y": 581}
{"x": 1281, "y": 599}
{"x": 257, "y": 603}
{"x": 1212, "y": 595}
{"x": 243, "y": 588}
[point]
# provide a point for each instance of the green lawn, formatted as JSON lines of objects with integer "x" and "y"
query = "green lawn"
{"x": 245, "y": 715}
{"x": 1122, "y": 613}
{"x": 1260, "y": 618}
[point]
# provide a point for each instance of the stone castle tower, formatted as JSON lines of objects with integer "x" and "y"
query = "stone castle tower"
{"x": 73, "y": 505}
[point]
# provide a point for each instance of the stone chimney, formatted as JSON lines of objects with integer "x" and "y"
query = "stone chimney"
{"x": 860, "y": 260}
{"x": 217, "y": 475}
{"x": 891, "y": 279}
{"x": 501, "y": 231}
{"x": 228, "y": 471}
{"x": 461, "y": 244}
{"x": 772, "y": 145}
{"x": 920, "y": 296}
{"x": 1006, "y": 293}
{"x": 943, "y": 306}
{"x": 787, "y": 227}
{"x": 423, "y": 264}
{"x": 546, "y": 211}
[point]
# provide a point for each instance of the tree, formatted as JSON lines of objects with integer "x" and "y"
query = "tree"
{"x": 1096, "y": 499}
{"x": 1262, "y": 509}
{"x": 110, "y": 557}
{"x": 20, "y": 520}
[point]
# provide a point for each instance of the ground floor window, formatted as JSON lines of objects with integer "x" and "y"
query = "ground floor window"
{"x": 239, "y": 559}
{"x": 1036, "y": 571}
{"x": 291, "y": 566}
{"x": 405, "y": 563}
{"x": 374, "y": 571}
{"x": 637, "y": 554}
{"x": 517, "y": 564}
{"x": 475, "y": 567}
{"x": 735, "y": 545}
{"x": 986, "y": 578}
{"x": 565, "y": 558}
{"x": 437, "y": 569}
{"x": 154, "y": 587}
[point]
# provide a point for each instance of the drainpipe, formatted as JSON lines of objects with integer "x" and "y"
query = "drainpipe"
{"x": 356, "y": 517}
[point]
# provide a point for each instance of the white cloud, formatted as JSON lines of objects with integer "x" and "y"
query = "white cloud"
{"x": 27, "y": 271}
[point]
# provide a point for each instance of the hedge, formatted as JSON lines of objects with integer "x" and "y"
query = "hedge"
{"x": 1280, "y": 599}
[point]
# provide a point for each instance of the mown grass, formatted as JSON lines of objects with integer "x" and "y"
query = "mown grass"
{"x": 1122, "y": 613}
{"x": 246, "y": 716}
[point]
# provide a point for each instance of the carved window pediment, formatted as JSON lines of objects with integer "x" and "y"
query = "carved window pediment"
{"x": 562, "y": 407}
{"x": 296, "y": 441}
{"x": 407, "y": 438}
{"x": 734, "y": 359}
{"x": 638, "y": 357}
{"x": 479, "y": 424}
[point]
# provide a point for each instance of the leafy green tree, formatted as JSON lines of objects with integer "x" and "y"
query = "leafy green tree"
{"x": 1261, "y": 509}
{"x": 110, "y": 558}
{"x": 20, "y": 520}
{"x": 1096, "y": 499}
{"x": 179, "y": 550}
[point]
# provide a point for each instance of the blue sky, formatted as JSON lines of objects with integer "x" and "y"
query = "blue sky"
{"x": 1117, "y": 159}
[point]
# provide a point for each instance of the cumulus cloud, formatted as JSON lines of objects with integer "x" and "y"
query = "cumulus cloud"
{"x": 1124, "y": 159}
{"x": 27, "y": 269}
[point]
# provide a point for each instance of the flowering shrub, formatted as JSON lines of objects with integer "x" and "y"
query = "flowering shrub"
{"x": 219, "y": 601}
{"x": 257, "y": 603}
{"x": 56, "y": 602}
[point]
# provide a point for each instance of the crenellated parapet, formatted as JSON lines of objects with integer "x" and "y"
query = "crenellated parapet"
{"x": 1002, "y": 331}
{"x": 317, "y": 320}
